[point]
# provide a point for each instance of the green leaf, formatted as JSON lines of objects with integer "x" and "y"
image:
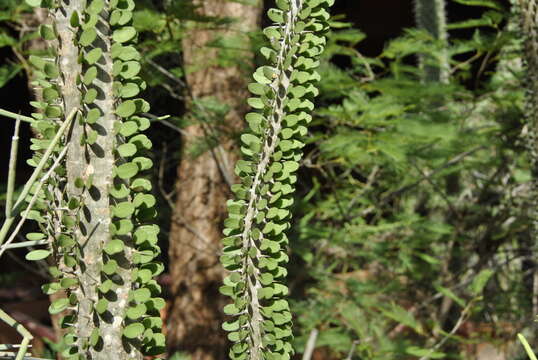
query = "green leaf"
{"x": 58, "y": 306}
{"x": 276, "y": 15}
{"x": 527, "y": 347}
{"x": 260, "y": 78}
{"x": 133, "y": 330}
{"x": 136, "y": 312}
{"x": 119, "y": 191}
{"x": 101, "y": 306}
{"x": 141, "y": 295}
{"x": 127, "y": 170}
{"x": 129, "y": 90}
{"x": 8, "y": 72}
{"x": 95, "y": 7}
{"x": 256, "y": 103}
{"x": 128, "y": 128}
{"x": 144, "y": 275}
{"x": 33, "y": 3}
{"x": 93, "y": 56}
{"x": 51, "y": 288}
{"x": 126, "y": 109}
{"x": 123, "y": 209}
{"x": 124, "y": 34}
{"x": 231, "y": 309}
{"x": 106, "y": 286}
{"x": 429, "y": 353}
{"x": 113, "y": 247}
{"x": 449, "y": 293}
{"x": 74, "y": 21}
{"x": 493, "y": 4}
{"x": 91, "y": 137}
{"x": 230, "y": 326}
{"x": 90, "y": 96}
{"x": 147, "y": 200}
{"x": 123, "y": 227}
{"x": 141, "y": 185}
{"x": 65, "y": 241}
{"x": 290, "y": 166}
{"x": 141, "y": 141}
{"x": 37, "y": 255}
{"x": 50, "y": 94}
{"x": 51, "y": 70}
{"x": 130, "y": 69}
{"x": 257, "y": 88}
{"x": 127, "y": 149}
{"x": 94, "y": 337}
{"x": 479, "y": 281}
{"x": 111, "y": 266}
{"x": 87, "y": 37}
{"x": 35, "y": 236}
{"x": 47, "y": 32}
{"x": 93, "y": 115}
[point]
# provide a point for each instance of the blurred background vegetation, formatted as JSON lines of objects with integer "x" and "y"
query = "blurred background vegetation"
{"x": 411, "y": 235}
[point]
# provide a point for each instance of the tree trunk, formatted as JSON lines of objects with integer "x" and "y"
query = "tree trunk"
{"x": 203, "y": 183}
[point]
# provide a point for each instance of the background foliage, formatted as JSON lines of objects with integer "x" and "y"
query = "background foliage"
{"x": 410, "y": 236}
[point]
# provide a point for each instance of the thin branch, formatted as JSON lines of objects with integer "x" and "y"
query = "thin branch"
{"x": 352, "y": 350}
{"x": 405, "y": 188}
{"x": 45, "y": 158}
{"x": 22, "y": 244}
{"x": 310, "y": 344}
{"x": 167, "y": 73}
{"x": 26, "y": 335}
{"x": 32, "y": 201}
{"x": 12, "y": 169}
{"x": 33, "y": 178}
{"x": 462, "y": 317}
{"x": 14, "y": 116}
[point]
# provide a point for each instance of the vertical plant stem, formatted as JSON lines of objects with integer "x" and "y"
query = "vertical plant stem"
{"x": 430, "y": 15}
{"x": 12, "y": 169}
{"x": 94, "y": 165}
{"x": 310, "y": 344}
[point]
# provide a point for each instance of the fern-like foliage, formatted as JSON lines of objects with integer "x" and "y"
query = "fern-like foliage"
{"x": 255, "y": 242}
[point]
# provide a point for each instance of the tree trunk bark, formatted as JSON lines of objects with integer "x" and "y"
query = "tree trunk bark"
{"x": 203, "y": 182}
